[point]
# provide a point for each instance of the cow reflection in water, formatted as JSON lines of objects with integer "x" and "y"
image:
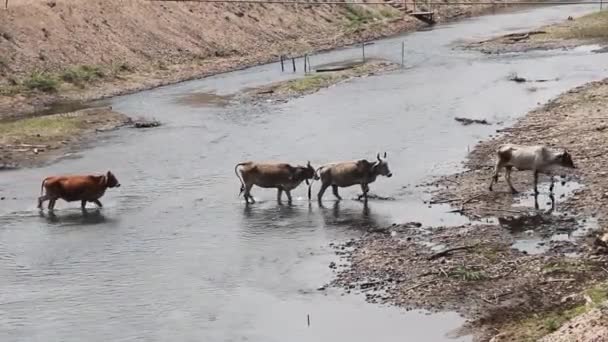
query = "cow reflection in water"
{"x": 349, "y": 217}
{"x": 82, "y": 218}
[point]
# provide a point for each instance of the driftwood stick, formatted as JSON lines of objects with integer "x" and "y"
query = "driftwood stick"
{"x": 505, "y": 210}
{"x": 449, "y": 250}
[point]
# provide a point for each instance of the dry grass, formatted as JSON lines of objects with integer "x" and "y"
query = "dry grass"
{"x": 592, "y": 26}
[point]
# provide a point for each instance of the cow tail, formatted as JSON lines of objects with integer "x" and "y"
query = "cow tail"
{"x": 316, "y": 176}
{"x": 42, "y": 187}
{"x": 236, "y": 172}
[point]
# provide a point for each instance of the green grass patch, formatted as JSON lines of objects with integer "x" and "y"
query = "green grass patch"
{"x": 41, "y": 81}
{"x": 591, "y": 26}
{"x": 40, "y": 127}
{"x": 467, "y": 275}
{"x": 310, "y": 83}
{"x": 83, "y": 74}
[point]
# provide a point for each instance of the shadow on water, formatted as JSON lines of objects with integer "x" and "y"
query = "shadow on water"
{"x": 82, "y": 217}
{"x": 353, "y": 217}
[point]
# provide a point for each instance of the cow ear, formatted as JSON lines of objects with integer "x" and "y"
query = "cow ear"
{"x": 308, "y": 164}
{"x": 384, "y": 155}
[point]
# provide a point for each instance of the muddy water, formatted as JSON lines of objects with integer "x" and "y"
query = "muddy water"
{"x": 175, "y": 255}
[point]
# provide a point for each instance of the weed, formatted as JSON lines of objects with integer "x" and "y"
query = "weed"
{"x": 468, "y": 275}
{"x": 41, "y": 81}
{"x": 83, "y": 74}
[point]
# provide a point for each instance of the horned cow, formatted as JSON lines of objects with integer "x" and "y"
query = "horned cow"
{"x": 282, "y": 176}
{"x": 88, "y": 188}
{"x": 539, "y": 159}
{"x": 349, "y": 173}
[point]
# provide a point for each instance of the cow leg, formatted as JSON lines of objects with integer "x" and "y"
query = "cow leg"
{"x": 536, "y": 182}
{"x": 279, "y": 194}
{"x": 83, "y": 205}
{"x": 52, "y": 203}
{"x": 552, "y": 185}
{"x": 364, "y": 190}
{"x": 334, "y": 189}
{"x": 98, "y": 203}
{"x": 248, "y": 193}
{"x": 288, "y": 193}
{"x": 41, "y": 200}
{"x": 497, "y": 168}
{"x": 324, "y": 187}
{"x": 508, "y": 178}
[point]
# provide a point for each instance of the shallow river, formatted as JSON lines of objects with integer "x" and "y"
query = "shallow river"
{"x": 176, "y": 256}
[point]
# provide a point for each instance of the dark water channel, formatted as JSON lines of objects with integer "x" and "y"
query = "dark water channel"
{"x": 176, "y": 256}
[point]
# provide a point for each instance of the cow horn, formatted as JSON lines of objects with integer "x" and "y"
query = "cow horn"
{"x": 378, "y": 156}
{"x": 385, "y": 154}
{"x": 308, "y": 164}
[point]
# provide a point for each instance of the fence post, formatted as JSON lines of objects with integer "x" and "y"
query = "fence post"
{"x": 293, "y": 61}
{"x": 308, "y": 59}
{"x": 601, "y": 4}
{"x": 363, "y": 50}
{"x": 305, "y": 62}
{"x": 282, "y": 65}
{"x": 402, "y": 54}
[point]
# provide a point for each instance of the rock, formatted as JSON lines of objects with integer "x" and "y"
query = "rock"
{"x": 145, "y": 123}
{"x": 332, "y": 265}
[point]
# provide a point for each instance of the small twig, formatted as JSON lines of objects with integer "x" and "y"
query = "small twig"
{"x": 487, "y": 300}
{"x": 418, "y": 285}
{"x": 472, "y": 198}
{"x": 606, "y": 270}
{"x": 505, "y": 210}
{"x": 449, "y": 250}
{"x": 553, "y": 280}
{"x": 444, "y": 273}
{"x": 445, "y": 201}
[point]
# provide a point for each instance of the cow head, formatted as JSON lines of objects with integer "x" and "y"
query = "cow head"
{"x": 565, "y": 160}
{"x": 304, "y": 173}
{"x": 381, "y": 166}
{"x": 111, "y": 180}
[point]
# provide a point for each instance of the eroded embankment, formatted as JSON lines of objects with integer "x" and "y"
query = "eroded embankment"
{"x": 84, "y": 50}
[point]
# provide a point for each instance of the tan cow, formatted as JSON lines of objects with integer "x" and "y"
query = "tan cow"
{"x": 349, "y": 173}
{"x": 538, "y": 159}
{"x": 281, "y": 176}
{"x": 85, "y": 189}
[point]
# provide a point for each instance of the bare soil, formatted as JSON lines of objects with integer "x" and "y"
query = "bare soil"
{"x": 135, "y": 45}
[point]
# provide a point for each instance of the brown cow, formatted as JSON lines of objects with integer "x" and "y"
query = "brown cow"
{"x": 76, "y": 188}
{"x": 345, "y": 174}
{"x": 281, "y": 176}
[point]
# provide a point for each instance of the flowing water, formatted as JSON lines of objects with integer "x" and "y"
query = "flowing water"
{"x": 176, "y": 256}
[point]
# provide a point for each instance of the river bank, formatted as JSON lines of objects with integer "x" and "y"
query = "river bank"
{"x": 591, "y": 29}
{"x": 37, "y": 140}
{"x": 517, "y": 273}
{"x": 506, "y": 291}
{"x": 39, "y": 67}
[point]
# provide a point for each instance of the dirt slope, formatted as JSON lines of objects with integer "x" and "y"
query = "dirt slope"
{"x": 139, "y": 44}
